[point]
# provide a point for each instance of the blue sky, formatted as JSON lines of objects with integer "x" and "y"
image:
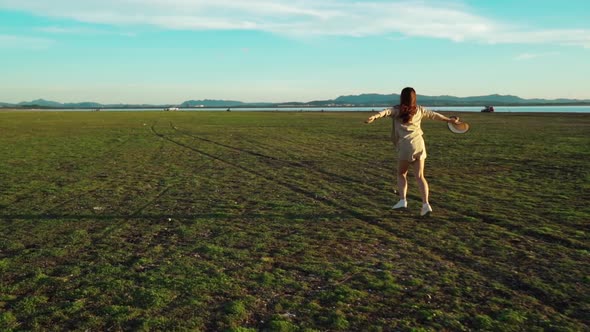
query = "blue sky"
{"x": 169, "y": 51}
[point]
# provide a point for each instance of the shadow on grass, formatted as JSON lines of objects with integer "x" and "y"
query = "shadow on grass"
{"x": 272, "y": 161}
{"x": 277, "y": 181}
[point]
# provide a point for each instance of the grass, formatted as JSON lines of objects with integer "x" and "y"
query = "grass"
{"x": 281, "y": 222}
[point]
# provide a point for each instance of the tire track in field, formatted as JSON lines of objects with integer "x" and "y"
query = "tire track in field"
{"x": 281, "y": 162}
{"x": 101, "y": 185}
{"x": 372, "y": 169}
{"x": 149, "y": 203}
{"x": 477, "y": 265}
{"x": 276, "y": 160}
{"x": 525, "y": 231}
{"x": 257, "y": 144}
{"x": 87, "y": 165}
{"x": 299, "y": 165}
{"x": 522, "y": 229}
{"x": 369, "y": 168}
{"x": 271, "y": 179}
{"x": 153, "y": 158}
{"x": 50, "y": 212}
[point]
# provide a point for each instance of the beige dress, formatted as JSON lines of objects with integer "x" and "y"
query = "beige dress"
{"x": 407, "y": 137}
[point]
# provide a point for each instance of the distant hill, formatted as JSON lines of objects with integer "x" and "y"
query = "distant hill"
{"x": 42, "y": 103}
{"x": 494, "y": 99}
{"x": 368, "y": 98}
{"x": 365, "y": 99}
{"x": 83, "y": 105}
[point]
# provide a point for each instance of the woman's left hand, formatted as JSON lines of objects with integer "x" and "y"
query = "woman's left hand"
{"x": 454, "y": 120}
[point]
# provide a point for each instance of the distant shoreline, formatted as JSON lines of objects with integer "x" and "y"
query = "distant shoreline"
{"x": 134, "y": 107}
{"x": 577, "y": 109}
{"x": 355, "y": 100}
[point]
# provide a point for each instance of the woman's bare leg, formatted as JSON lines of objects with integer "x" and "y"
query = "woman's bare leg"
{"x": 402, "y": 182}
{"x": 421, "y": 180}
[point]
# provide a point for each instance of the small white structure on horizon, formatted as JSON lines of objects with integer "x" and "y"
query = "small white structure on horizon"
{"x": 171, "y": 109}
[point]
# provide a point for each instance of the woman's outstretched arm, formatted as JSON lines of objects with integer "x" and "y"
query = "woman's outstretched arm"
{"x": 386, "y": 112}
{"x": 437, "y": 116}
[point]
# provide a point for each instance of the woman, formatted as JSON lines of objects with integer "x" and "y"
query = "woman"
{"x": 407, "y": 138}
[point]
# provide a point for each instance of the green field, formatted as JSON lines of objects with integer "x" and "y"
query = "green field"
{"x": 230, "y": 221}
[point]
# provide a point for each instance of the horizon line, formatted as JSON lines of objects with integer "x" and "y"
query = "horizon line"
{"x": 294, "y": 101}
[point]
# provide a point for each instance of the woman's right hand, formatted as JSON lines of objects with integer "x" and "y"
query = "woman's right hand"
{"x": 370, "y": 119}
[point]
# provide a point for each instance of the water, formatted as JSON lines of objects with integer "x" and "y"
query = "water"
{"x": 499, "y": 109}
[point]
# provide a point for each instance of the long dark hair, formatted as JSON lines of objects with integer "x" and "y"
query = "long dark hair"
{"x": 407, "y": 104}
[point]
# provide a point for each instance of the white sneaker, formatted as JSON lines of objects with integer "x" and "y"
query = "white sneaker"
{"x": 426, "y": 209}
{"x": 402, "y": 204}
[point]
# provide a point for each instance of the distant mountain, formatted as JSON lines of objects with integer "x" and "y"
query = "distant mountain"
{"x": 494, "y": 99}
{"x": 365, "y": 99}
{"x": 6, "y": 105}
{"x": 41, "y": 103}
{"x": 83, "y": 105}
{"x": 368, "y": 98}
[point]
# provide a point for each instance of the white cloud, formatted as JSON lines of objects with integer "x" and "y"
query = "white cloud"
{"x": 81, "y": 31}
{"x": 304, "y": 18}
{"x": 529, "y": 56}
{"x": 24, "y": 42}
{"x": 59, "y": 30}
